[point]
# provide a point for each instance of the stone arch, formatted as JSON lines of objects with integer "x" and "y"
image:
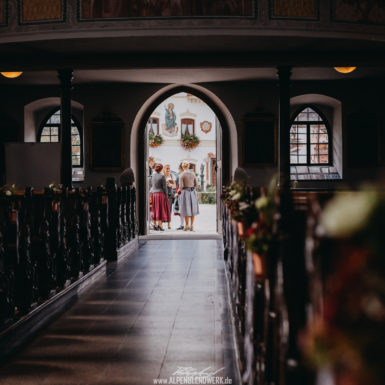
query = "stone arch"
{"x": 36, "y": 110}
{"x": 137, "y": 142}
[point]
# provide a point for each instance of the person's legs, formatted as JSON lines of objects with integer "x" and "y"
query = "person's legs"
{"x": 192, "y": 223}
{"x": 186, "y": 223}
{"x": 160, "y": 225}
{"x": 170, "y": 204}
{"x": 152, "y": 223}
{"x": 155, "y": 224}
{"x": 181, "y": 225}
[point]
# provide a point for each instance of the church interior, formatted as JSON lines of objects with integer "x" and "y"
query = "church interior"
{"x": 290, "y": 290}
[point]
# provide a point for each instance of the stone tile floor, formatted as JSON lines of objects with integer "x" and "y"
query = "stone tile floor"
{"x": 205, "y": 223}
{"x": 162, "y": 308}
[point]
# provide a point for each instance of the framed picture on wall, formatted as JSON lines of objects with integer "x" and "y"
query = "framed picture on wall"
{"x": 106, "y": 144}
{"x": 259, "y": 140}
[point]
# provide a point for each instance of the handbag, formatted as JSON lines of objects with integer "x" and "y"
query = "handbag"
{"x": 176, "y": 207}
{"x": 170, "y": 195}
{"x": 171, "y": 192}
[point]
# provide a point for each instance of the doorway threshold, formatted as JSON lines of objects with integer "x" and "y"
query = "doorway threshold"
{"x": 182, "y": 235}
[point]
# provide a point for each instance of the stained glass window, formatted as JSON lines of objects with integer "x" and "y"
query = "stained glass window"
{"x": 309, "y": 139}
{"x": 50, "y": 132}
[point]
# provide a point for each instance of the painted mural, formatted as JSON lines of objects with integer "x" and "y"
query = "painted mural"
{"x": 33, "y": 11}
{"x": 3, "y": 12}
{"x": 362, "y": 11}
{"x": 113, "y": 9}
{"x": 170, "y": 127}
{"x": 294, "y": 9}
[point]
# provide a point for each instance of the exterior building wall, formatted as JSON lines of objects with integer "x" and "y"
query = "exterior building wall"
{"x": 186, "y": 106}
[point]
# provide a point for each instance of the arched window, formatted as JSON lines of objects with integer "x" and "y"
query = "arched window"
{"x": 309, "y": 138}
{"x": 50, "y": 132}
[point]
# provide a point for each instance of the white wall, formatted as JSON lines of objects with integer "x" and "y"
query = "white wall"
{"x": 171, "y": 150}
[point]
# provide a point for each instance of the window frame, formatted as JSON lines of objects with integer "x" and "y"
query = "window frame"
{"x": 153, "y": 119}
{"x": 325, "y": 122}
{"x": 78, "y": 126}
{"x": 189, "y": 120}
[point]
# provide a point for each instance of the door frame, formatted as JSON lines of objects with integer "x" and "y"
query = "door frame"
{"x": 138, "y": 140}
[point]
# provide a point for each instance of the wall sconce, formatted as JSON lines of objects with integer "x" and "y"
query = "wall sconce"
{"x": 11, "y": 75}
{"x": 345, "y": 70}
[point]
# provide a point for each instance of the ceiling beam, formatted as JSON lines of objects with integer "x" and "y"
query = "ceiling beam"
{"x": 42, "y": 62}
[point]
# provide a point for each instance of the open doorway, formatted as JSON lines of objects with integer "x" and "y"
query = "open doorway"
{"x": 183, "y": 128}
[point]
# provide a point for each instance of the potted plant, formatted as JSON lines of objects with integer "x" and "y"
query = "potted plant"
{"x": 189, "y": 142}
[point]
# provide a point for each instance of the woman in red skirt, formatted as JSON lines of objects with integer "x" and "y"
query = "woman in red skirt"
{"x": 160, "y": 205}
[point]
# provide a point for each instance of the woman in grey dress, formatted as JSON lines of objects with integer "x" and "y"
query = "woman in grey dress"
{"x": 188, "y": 199}
{"x": 176, "y": 205}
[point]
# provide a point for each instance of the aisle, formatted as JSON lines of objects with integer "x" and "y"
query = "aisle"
{"x": 162, "y": 309}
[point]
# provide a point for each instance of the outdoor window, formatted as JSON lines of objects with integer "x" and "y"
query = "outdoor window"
{"x": 187, "y": 127}
{"x": 309, "y": 139}
{"x": 50, "y": 132}
{"x": 153, "y": 126}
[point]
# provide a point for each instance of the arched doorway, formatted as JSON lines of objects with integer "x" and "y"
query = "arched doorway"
{"x": 228, "y": 141}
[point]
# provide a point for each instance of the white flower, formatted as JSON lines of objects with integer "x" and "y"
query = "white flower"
{"x": 243, "y": 206}
{"x": 261, "y": 202}
{"x": 232, "y": 192}
{"x": 236, "y": 197}
{"x": 347, "y": 213}
{"x": 8, "y": 193}
{"x": 373, "y": 307}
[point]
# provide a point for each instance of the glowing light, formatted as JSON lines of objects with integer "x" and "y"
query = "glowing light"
{"x": 11, "y": 75}
{"x": 345, "y": 70}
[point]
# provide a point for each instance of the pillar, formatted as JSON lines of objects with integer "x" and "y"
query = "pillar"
{"x": 284, "y": 74}
{"x": 65, "y": 77}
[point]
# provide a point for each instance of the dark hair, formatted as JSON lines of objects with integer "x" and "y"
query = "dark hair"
{"x": 191, "y": 166}
{"x": 241, "y": 176}
{"x": 127, "y": 177}
{"x": 158, "y": 167}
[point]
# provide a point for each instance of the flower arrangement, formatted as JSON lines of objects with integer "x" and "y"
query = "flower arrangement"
{"x": 54, "y": 187}
{"x": 260, "y": 235}
{"x": 234, "y": 197}
{"x": 255, "y": 211}
{"x": 155, "y": 140}
{"x": 189, "y": 142}
{"x": 348, "y": 338}
{"x": 7, "y": 190}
